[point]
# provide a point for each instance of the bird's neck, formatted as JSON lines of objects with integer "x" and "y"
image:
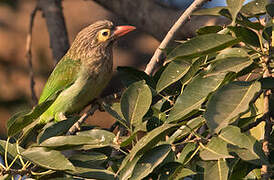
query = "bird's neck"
{"x": 84, "y": 51}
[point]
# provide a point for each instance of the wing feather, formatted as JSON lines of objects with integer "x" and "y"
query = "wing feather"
{"x": 63, "y": 76}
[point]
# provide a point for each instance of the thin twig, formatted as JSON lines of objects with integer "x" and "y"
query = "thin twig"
{"x": 29, "y": 56}
{"x": 76, "y": 126}
{"x": 94, "y": 106}
{"x": 158, "y": 54}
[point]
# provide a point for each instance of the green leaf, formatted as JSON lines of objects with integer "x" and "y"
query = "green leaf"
{"x": 135, "y": 102}
{"x": 174, "y": 71}
{"x": 270, "y": 9}
{"x": 115, "y": 111}
{"x": 209, "y": 29}
{"x": 180, "y": 173}
{"x": 130, "y": 75}
{"x": 242, "y": 20}
{"x": 186, "y": 129}
{"x": 98, "y": 134}
{"x": 56, "y": 128}
{"x": 234, "y": 6}
{"x": 67, "y": 142}
{"x": 233, "y": 135}
{"x": 246, "y": 35}
{"x": 12, "y": 151}
{"x": 194, "y": 95}
{"x": 249, "y": 148}
{"x": 88, "y": 159}
{"x": 150, "y": 160}
{"x": 128, "y": 140}
{"x": 147, "y": 142}
{"x": 254, "y": 8}
{"x": 105, "y": 138}
{"x": 185, "y": 152}
{"x": 209, "y": 11}
{"x": 229, "y": 64}
{"x": 252, "y": 153}
{"x": 240, "y": 170}
{"x": 154, "y": 122}
{"x": 267, "y": 33}
{"x": 126, "y": 171}
{"x": 232, "y": 52}
{"x": 216, "y": 170}
{"x": 202, "y": 45}
{"x": 47, "y": 158}
{"x": 164, "y": 172}
{"x": 215, "y": 149}
{"x": 20, "y": 120}
{"x": 92, "y": 173}
{"x": 254, "y": 174}
{"x": 245, "y": 22}
{"x": 194, "y": 68}
{"x": 228, "y": 102}
{"x": 90, "y": 165}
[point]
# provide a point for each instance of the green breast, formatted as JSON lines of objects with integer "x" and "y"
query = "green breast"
{"x": 90, "y": 82}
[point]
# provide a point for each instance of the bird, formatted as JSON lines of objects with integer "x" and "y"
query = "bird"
{"x": 83, "y": 72}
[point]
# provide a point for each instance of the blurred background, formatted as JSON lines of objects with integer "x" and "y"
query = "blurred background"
{"x": 134, "y": 50}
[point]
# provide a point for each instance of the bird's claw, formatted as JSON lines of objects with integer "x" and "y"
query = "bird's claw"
{"x": 61, "y": 116}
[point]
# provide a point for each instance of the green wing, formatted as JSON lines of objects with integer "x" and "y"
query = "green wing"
{"x": 64, "y": 74}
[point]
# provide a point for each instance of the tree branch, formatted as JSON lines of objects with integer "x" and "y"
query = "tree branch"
{"x": 59, "y": 42}
{"x": 94, "y": 106}
{"x": 83, "y": 118}
{"x": 158, "y": 54}
{"x": 155, "y": 19}
{"x": 29, "y": 56}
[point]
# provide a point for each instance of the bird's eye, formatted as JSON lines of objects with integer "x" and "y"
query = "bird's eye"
{"x": 103, "y": 35}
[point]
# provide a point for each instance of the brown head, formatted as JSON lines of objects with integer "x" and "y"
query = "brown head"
{"x": 98, "y": 36}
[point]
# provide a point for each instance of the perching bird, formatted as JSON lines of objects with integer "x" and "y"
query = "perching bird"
{"x": 83, "y": 72}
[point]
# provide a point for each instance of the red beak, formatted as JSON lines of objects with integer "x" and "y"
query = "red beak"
{"x": 122, "y": 30}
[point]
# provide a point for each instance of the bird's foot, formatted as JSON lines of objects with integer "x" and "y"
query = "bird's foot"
{"x": 60, "y": 117}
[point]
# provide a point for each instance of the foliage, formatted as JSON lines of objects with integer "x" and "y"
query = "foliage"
{"x": 190, "y": 119}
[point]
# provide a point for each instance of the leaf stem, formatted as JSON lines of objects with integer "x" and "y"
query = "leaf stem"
{"x": 158, "y": 54}
{"x": 17, "y": 149}
{"x": 41, "y": 173}
{"x": 16, "y": 157}
{"x": 6, "y": 152}
{"x": 192, "y": 155}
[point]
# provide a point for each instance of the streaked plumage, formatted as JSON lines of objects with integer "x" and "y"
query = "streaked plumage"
{"x": 83, "y": 72}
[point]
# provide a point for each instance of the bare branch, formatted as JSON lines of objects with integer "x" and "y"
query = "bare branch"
{"x": 158, "y": 54}
{"x": 150, "y": 17}
{"x": 59, "y": 42}
{"x": 76, "y": 126}
{"x": 94, "y": 106}
{"x": 29, "y": 56}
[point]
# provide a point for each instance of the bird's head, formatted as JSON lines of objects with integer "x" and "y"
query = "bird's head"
{"x": 99, "y": 34}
